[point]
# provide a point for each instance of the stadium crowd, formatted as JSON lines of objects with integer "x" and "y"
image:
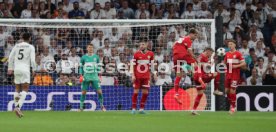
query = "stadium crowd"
{"x": 252, "y": 23}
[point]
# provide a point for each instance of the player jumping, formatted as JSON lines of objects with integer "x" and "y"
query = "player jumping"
{"x": 202, "y": 76}
{"x": 89, "y": 75}
{"x": 141, "y": 75}
{"x": 21, "y": 58}
{"x": 234, "y": 61}
{"x": 182, "y": 51}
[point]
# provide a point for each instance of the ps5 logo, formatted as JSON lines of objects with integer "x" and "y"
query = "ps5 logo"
{"x": 71, "y": 100}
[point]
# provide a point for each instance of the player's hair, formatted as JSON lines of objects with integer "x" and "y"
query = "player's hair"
{"x": 26, "y": 36}
{"x": 143, "y": 39}
{"x": 90, "y": 45}
{"x": 209, "y": 49}
{"x": 232, "y": 40}
{"x": 193, "y": 31}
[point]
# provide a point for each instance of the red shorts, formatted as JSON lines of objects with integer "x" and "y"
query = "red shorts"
{"x": 231, "y": 83}
{"x": 141, "y": 83}
{"x": 180, "y": 59}
{"x": 205, "y": 78}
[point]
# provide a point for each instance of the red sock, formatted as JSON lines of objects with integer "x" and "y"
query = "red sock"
{"x": 134, "y": 100}
{"x": 143, "y": 100}
{"x": 197, "y": 101}
{"x": 233, "y": 100}
{"x": 176, "y": 83}
{"x": 229, "y": 98}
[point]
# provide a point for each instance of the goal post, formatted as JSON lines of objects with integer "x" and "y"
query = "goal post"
{"x": 60, "y": 43}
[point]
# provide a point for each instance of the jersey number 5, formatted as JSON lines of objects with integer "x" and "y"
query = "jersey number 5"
{"x": 21, "y": 54}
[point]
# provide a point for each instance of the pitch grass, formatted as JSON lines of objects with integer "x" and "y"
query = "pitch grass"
{"x": 125, "y": 122}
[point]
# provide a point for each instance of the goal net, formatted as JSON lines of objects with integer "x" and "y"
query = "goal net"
{"x": 60, "y": 44}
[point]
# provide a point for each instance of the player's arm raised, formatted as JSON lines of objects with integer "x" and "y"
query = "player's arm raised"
{"x": 11, "y": 61}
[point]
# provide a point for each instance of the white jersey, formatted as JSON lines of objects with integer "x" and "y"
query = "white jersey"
{"x": 22, "y": 57}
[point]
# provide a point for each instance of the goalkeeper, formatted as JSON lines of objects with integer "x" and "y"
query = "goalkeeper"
{"x": 89, "y": 75}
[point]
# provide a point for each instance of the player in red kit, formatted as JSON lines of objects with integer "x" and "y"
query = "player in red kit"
{"x": 183, "y": 53}
{"x": 203, "y": 75}
{"x": 234, "y": 62}
{"x": 141, "y": 74}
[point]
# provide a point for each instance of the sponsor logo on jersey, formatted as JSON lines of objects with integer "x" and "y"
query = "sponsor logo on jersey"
{"x": 143, "y": 61}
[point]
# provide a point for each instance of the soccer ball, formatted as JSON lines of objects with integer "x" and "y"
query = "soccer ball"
{"x": 221, "y": 51}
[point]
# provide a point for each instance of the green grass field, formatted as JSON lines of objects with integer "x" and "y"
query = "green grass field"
{"x": 125, "y": 122}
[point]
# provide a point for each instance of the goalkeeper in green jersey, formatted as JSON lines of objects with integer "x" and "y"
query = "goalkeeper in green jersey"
{"x": 89, "y": 71}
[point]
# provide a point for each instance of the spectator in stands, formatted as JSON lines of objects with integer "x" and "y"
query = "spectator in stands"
{"x": 114, "y": 54}
{"x": 107, "y": 74}
{"x": 171, "y": 13}
{"x": 162, "y": 79}
{"x": 8, "y": 46}
{"x": 68, "y": 47}
{"x": 60, "y": 13}
{"x": 244, "y": 49}
{"x": 63, "y": 80}
{"x": 189, "y": 13}
{"x": 252, "y": 43}
{"x": 204, "y": 13}
{"x": 98, "y": 41}
{"x": 27, "y": 13}
{"x": 269, "y": 76}
{"x": 53, "y": 47}
{"x": 127, "y": 12}
{"x": 100, "y": 54}
{"x": 263, "y": 12}
{"x": 153, "y": 11}
{"x": 107, "y": 49}
{"x": 273, "y": 42}
{"x": 86, "y": 6}
{"x": 61, "y": 36}
{"x": 4, "y": 12}
{"x": 226, "y": 34}
{"x": 50, "y": 6}
{"x": 234, "y": 20}
{"x": 254, "y": 29}
{"x": 114, "y": 36}
{"x": 46, "y": 57}
{"x": 18, "y": 8}
{"x": 222, "y": 12}
{"x": 42, "y": 78}
{"x": 64, "y": 66}
{"x": 186, "y": 80}
{"x": 42, "y": 10}
{"x": 241, "y": 5}
{"x": 97, "y": 12}
{"x": 247, "y": 17}
{"x": 254, "y": 79}
{"x": 259, "y": 50}
{"x": 238, "y": 35}
{"x": 39, "y": 66}
{"x": 260, "y": 66}
{"x": 109, "y": 12}
{"x": 76, "y": 13}
{"x": 74, "y": 58}
{"x": 67, "y": 6}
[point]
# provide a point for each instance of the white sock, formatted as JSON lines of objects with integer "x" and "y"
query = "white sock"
{"x": 22, "y": 98}
{"x": 16, "y": 95}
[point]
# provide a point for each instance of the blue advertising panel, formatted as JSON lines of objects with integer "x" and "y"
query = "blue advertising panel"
{"x": 60, "y": 98}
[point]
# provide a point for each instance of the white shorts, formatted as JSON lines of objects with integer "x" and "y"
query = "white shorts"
{"x": 21, "y": 77}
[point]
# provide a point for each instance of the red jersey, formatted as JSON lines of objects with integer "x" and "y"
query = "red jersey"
{"x": 200, "y": 73}
{"x": 141, "y": 64}
{"x": 233, "y": 58}
{"x": 182, "y": 45}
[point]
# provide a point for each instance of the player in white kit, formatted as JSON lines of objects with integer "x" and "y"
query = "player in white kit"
{"x": 21, "y": 58}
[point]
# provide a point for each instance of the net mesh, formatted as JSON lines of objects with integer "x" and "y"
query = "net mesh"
{"x": 59, "y": 46}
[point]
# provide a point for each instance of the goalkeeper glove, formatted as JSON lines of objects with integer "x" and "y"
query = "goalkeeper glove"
{"x": 81, "y": 79}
